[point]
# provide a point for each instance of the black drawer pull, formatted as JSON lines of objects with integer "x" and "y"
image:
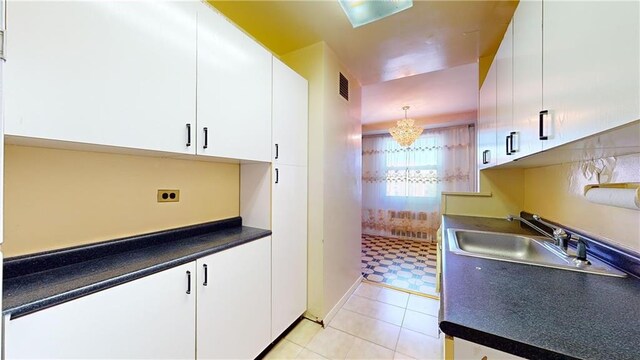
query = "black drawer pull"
{"x": 277, "y": 176}
{"x": 276, "y": 151}
{"x": 484, "y": 157}
{"x": 188, "y": 134}
{"x": 507, "y": 144}
{"x": 541, "y": 123}
{"x": 188, "y": 282}
{"x": 206, "y": 137}
{"x": 206, "y": 275}
{"x": 511, "y": 135}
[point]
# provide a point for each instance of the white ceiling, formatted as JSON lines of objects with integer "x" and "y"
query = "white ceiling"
{"x": 449, "y": 91}
{"x": 425, "y": 46}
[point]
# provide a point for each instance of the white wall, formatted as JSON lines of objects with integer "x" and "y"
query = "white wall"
{"x": 334, "y": 178}
{"x": 342, "y": 182}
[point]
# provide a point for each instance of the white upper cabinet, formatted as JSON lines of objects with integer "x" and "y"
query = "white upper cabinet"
{"x": 150, "y": 318}
{"x": 290, "y": 116}
{"x": 504, "y": 99}
{"x": 527, "y": 76}
{"x": 233, "y": 91}
{"x": 487, "y": 121}
{"x": 591, "y": 67}
{"x": 102, "y": 72}
{"x": 571, "y": 69}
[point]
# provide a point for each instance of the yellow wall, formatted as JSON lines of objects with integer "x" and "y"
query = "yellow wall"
{"x": 556, "y": 193}
{"x": 484, "y": 63}
{"x": 60, "y": 198}
{"x": 501, "y": 194}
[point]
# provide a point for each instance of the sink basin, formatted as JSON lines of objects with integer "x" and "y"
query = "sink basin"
{"x": 533, "y": 250}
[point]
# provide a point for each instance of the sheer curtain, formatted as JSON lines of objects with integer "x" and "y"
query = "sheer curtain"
{"x": 401, "y": 187}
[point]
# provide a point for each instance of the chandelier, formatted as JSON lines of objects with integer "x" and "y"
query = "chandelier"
{"x": 405, "y": 132}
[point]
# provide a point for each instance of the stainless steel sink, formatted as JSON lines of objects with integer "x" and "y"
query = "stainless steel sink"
{"x": 533, "y": 250}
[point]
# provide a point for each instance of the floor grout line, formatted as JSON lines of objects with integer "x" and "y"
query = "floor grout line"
{"x": 397, "y": 340}
{"x": 361, "y": 338}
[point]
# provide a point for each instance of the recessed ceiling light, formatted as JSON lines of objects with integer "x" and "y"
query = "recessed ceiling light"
{"x": 362, "y": 12}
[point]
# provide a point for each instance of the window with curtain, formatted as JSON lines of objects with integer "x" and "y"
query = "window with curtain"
{"x": 402, "y": 186}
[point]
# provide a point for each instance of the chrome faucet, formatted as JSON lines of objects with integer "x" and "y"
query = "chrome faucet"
{"x": 560, "y": 237}
{"x": 536, "y": 228}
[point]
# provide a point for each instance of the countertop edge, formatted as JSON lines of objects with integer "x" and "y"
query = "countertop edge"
{"x": 500, "y": 343}
{"x": 35, "y": 306}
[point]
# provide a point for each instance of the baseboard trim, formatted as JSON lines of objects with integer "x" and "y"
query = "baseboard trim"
{"x": 327, "y": 319}
{"x": 434, "y": 297}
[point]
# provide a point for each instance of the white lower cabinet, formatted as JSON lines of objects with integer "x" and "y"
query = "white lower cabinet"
{"x": 289, "y": 246}
{"x": 234, "y": 302}
{"x": 217, "y": 307}
{"x": 466, "y": 350}
{"x": 152, "y": 318}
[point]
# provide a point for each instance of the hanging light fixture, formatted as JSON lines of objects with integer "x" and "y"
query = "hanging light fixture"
{"x": 405, "y": 132}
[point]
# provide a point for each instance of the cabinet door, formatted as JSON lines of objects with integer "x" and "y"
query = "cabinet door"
{"x": 487, "y": 121}
{"x": 466, "y": 350}
{"x": 234, "y": 302}
{"x": 102, "y": 72}
{"x": 289, "y": 246}
{"x": 290, "y": 116}
{"x": 151, "y": 318}
{"x": 527, "y": 76}
{"x": 504, "y": 97}
{"x": 591, "y": 73}
{"x": 234, "y": 91}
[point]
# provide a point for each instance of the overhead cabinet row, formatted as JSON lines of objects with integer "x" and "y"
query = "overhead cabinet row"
{"x": 164, "y": 76}
{"x": 564, "y": 71}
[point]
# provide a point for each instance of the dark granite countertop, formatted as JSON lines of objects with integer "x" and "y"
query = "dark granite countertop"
{"x": 536, "y": 312}
{"x": 32, "y": 283}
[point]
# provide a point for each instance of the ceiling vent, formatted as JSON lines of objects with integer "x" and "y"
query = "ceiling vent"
{"x": 344, "y": 87}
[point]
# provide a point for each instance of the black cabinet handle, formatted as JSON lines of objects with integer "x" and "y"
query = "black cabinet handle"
{"x": 507, "y": 144}
{"x": 484, "y": 157}
{"x": 206, "y": 137}
{"x": 188, "y": 134}
{"x": 206, "y": 275}
{"x": 541, "y": 123}
{"x": 277, "y": 175}
{"x": 188, "y": 282}
{"x": 276, "y": 151}
{"x": 511, "y": 135}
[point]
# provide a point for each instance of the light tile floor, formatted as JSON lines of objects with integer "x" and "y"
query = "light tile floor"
{"x": 375, "y": 323}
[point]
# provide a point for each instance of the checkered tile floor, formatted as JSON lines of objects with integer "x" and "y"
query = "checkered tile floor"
{"x": 405, "y": 264}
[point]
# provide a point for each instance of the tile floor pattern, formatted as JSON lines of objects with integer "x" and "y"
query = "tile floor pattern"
{"x": 375, "y": 323}
{"x": 404, "y": 264}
